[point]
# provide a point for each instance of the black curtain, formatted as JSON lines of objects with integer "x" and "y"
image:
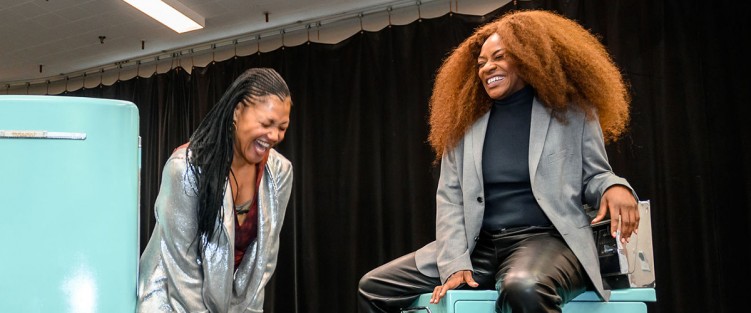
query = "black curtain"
{"x": 364, "y": 185}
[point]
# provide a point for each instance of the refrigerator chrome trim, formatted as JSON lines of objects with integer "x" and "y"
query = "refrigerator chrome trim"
{"x": 41, "y": 134}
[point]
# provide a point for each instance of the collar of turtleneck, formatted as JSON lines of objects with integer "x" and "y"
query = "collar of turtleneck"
{"x": 523, "y": 95}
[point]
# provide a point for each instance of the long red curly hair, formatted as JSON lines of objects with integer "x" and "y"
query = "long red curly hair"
{"x": 565, "y": 64}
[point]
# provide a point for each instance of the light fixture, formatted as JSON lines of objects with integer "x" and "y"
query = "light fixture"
{"x": 171, "y": 13}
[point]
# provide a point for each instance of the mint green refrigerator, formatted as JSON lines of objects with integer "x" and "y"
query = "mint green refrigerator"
{"x": 69, "y": 204}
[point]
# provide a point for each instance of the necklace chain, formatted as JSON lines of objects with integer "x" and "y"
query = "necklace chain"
{"x": 244, "y": 208}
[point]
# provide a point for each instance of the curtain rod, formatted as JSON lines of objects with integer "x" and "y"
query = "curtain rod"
{"x": 213, "y": 45}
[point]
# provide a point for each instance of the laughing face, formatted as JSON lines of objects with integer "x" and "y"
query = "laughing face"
{"x": 497, "y": 71}
{"x": 260, "y": 124}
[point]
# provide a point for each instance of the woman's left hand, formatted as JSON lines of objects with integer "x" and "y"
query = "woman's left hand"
{"x": 620, "y": 202}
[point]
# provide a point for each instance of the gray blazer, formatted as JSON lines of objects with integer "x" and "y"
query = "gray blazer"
{"x": 567, "y": 165}
{"x": 171, "y": 277}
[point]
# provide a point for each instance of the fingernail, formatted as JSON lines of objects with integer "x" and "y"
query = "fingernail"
{"x": 614, "y": 234}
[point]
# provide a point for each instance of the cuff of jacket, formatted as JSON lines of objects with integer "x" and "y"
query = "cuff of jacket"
{"x": 461, "y": 263}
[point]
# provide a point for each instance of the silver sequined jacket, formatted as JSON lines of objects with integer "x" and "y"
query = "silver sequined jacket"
{"x": 172, "y": 277}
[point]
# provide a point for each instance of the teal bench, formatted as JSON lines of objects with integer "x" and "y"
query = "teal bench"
{"x": 629, "y": 300}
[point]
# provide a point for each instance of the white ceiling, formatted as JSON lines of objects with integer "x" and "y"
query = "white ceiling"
{"x": 63, "y": 35}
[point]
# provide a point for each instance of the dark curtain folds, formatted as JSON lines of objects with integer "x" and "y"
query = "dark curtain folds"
{"x": 364, "y": 187}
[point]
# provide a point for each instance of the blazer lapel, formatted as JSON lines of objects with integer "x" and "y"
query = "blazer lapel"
{"x": 477, "y": 140}
{"x": 265, "y": 226}
{"x": 538, "y": 130}
{"x": 229, "y": 215}
{"x": 264, "y": 207}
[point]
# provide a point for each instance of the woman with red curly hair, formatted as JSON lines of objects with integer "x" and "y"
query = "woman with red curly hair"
{"x": 520, "y": 114}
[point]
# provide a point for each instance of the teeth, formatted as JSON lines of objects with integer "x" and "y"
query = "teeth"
{"x": 264, "y": 144}
{"x": 494, "y": 79}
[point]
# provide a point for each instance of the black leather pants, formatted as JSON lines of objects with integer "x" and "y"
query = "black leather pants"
{"x": 533, "y": 266}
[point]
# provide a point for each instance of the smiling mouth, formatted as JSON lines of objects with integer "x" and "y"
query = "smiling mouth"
{"x": 263, "y": 145}
{"x": 494, "y": 79}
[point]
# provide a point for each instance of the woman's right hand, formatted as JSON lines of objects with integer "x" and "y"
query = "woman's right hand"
{"x": 454, "y": 281}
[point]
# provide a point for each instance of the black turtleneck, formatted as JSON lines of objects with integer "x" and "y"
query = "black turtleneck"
{"x": 509, "y": 201}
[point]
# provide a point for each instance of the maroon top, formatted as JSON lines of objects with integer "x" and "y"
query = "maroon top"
{"x": 248, "y": 231}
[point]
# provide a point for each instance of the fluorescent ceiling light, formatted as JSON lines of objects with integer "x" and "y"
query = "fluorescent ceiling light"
{"x": 174, "y": 15}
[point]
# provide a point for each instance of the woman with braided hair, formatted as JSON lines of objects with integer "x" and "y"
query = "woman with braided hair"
{"x": 520, "y": 114}
{"x": 221, "y": 205}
